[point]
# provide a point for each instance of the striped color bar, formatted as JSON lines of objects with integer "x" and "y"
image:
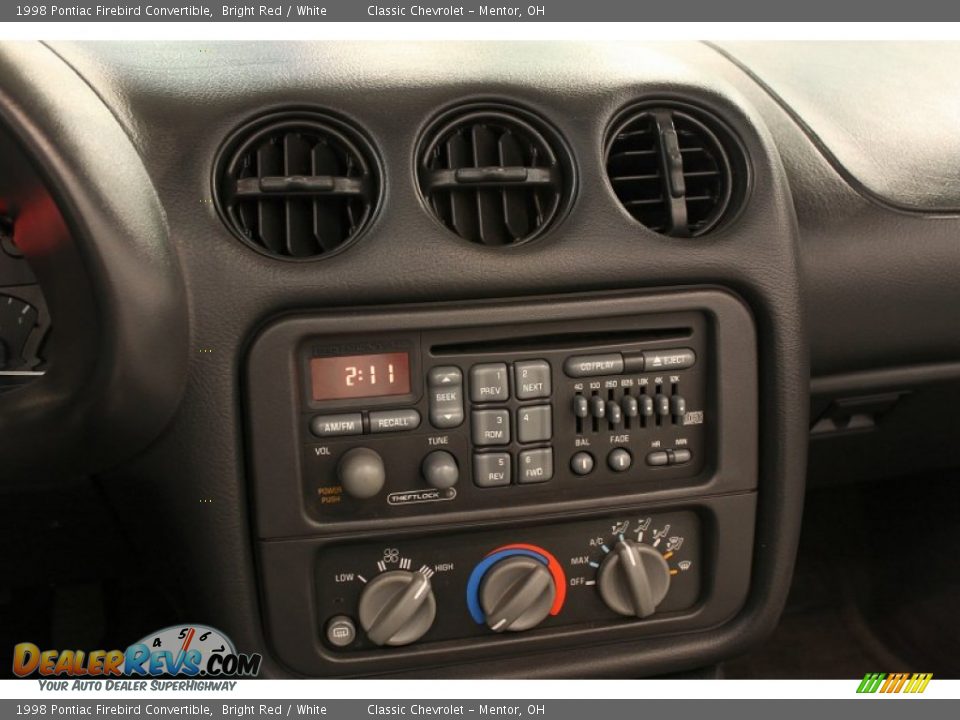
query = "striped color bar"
{"x": 895, "y": 682}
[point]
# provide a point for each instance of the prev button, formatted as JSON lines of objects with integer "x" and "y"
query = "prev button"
{"x": 488, "y": 383}
{"x": 382, "y": 421}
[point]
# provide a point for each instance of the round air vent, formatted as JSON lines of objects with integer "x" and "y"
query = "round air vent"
{"x": 676, "y": 170}
{"x": 297, "y": 185}
{"x": 495, "y": 175}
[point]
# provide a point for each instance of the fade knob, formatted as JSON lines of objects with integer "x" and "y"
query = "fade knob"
{"x": 516, "y": 594}
{"x": 397, "y": 607}
{"x": 361, "y": 473}
{"x": 633, "y": 579}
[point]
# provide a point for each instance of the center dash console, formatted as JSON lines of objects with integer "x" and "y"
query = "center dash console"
{"x": 447, "y": 482}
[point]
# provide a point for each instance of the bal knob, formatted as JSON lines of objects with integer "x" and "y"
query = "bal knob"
{"x": 516, "y": 594}
{"x": 633, "y": 579}
{"x": 397, "y": 607}
{"x": 361, "y": 473}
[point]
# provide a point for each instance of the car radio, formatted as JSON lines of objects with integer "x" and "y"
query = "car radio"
{"x": 417, "y": 424}
{"x": 436, "y": 419}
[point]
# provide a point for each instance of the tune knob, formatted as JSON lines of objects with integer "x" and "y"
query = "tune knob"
{"x": 440, "y": 470}
{"x": 516, "y": 594}
{"x": 397, "y": 607}
{"x": 633, "y": 579}
{"x": 361, "y": 473}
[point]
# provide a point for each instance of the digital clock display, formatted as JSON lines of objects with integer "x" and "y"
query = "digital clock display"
{"x": 360, "y": 376}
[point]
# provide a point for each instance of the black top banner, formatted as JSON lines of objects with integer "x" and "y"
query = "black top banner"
{"x": 440, "y": 11}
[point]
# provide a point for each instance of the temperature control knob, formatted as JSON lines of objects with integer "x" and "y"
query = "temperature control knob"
{"x": 516, "y": 594}
{"x": 633, "y": 579}
{"x": 397, "y": 607}
{"x": 361, "y": 473}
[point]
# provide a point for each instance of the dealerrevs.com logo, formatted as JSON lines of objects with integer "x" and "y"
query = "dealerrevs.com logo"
{"x": 180, "y": 650}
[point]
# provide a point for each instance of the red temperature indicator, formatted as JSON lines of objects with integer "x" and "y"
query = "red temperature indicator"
{"x": 360, "y": 376}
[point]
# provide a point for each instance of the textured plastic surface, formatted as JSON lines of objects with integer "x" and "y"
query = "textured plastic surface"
{"x": 195, "y": 470}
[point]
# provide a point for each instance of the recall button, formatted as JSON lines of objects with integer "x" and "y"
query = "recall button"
{"x": 382, "y": 421}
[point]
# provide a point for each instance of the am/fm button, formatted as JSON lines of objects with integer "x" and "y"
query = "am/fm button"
{"x": 333, "y": 425}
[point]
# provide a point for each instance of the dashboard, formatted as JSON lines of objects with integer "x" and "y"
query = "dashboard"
{"x": 509, "y": 366}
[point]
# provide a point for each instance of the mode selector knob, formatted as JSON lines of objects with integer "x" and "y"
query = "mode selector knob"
{"x": 361, "y": 473}
{"x": 397, "y": 607}
{"x": 633, "y": 579}
{"x": 516, "y": 594}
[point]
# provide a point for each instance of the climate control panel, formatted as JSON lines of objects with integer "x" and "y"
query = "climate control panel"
{"x": 630, "y": 566}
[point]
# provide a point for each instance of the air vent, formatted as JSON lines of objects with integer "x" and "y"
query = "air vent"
{"x": 297, "y": 185}
{"x": 495, "y": 176}
{"x": 676, "y": 170}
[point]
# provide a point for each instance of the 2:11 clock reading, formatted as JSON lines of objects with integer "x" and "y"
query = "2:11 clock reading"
{"x": 360, "y": 376}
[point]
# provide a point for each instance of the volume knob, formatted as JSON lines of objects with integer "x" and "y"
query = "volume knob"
{"x": 397, "y": 607}
{"x": 516, "y": 594}
{"x": 633, "y": 579}
{"x": 361, "y": 473}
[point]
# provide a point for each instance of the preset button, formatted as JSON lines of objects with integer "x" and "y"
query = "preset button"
{"x": 488, "y": 383}
{"x": 491, "y": 469}
{"x": 491, "y": 427}
{"x": 534, "y": 423}
{"x": 536, "y": 465}
{"x": 532, "y": 379}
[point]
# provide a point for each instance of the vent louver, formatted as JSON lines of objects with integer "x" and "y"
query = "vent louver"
{"x": 297, "y": 185}
{"x": 672, "y": 169}
{"x": 494, "y": 176}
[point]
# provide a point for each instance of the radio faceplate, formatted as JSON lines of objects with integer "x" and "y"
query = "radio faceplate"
{"x": 509, "y": 416}
{"x": 500, "y": 410}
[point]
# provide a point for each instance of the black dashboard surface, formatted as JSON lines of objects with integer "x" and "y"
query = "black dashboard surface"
{"x": 822, "y": 267}
{"x": 878, "y": 281}
{"x": 883, "y": 112}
